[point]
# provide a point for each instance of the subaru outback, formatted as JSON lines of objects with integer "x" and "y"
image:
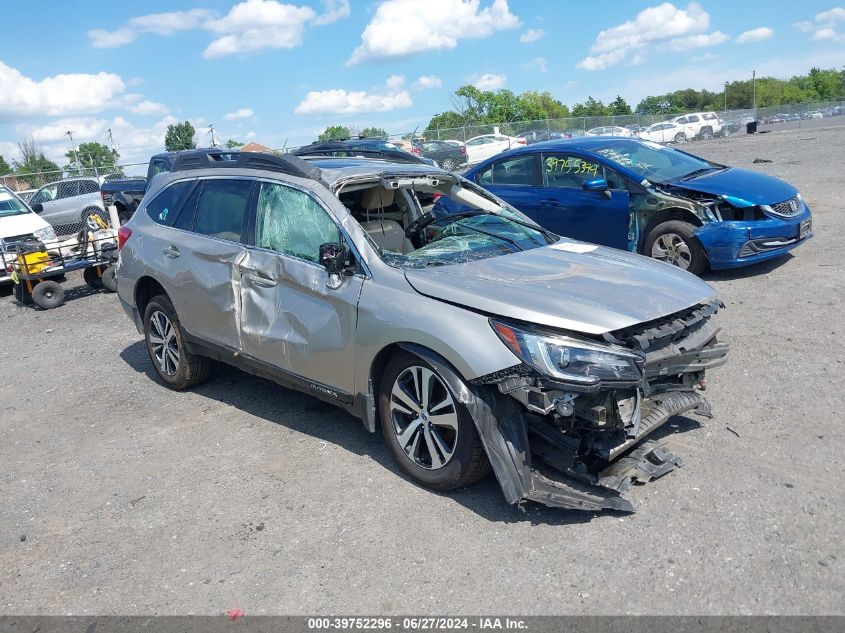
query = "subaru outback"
{"x": 474, "y": 342}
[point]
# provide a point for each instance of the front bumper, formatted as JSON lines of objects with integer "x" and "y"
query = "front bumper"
{"x": 742, "y": 243}
{"x": 583, "y": 450}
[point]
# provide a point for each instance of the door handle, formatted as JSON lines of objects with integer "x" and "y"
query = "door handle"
{"x": 260, "y": 280}
{"x": 549, "y": 202}
{"x": 172, "y": 252}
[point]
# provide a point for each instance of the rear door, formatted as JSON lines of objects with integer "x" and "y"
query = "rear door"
{"x": 295, "y": 317}
{"x": 566, "y": 208}
{"x": 204, "y": 258}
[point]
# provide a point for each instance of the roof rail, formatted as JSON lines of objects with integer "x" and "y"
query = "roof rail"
{"x": 393, "y": 157}
{"x": 215, "y": 159}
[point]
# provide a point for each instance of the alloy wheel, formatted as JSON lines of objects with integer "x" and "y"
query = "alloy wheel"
{"x": 163, "y": 343}
{"x": 424, "y": 417}
{"x": 672, "y": 249}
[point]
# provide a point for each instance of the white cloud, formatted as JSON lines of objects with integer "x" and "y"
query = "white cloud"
{"x": 147, "y": 108}
{"x": 602, "y": 61}
{"x": 540, "y": 64}
{"x": 404, "y": 27}
{"x": 334, "y": 10}
{"x": 340, "y": 101}
{"x": 637, "y": 60}
{"x": 697, "y": 41}
{"x": 63, "y": 94}
{"x": 250, "y": 135}
{"x": 651, "y": 25}
{"x": 823, "y": 27}
{"x": 427, "y": 82}
{"x": 242, "y": 113}
{"x": 531, "y": 35}
{"x": 249, "y": 26}
{"x": 755, "y": 35}
{"x": 488, "y": 81}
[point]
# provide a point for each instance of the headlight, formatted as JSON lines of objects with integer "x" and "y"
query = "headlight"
{"x": 571, "y": 359}
{"x": 45, "y": 234}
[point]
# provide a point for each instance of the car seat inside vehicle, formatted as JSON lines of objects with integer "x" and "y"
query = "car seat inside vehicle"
{"x": 383, "y": 214}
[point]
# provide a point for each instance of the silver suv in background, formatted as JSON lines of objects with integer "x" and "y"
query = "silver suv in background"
{"x": 67, "y": 204}
{"x": 472, "y": 341}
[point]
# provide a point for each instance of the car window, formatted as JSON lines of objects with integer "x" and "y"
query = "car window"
{"x": 68, "y": 189}
{"x": 615, "y": 180}
{"x": 88, "y": 186}
{"x": 681, "y": 120}
{"x": 46, "y": 194}
{"x": 291, "y": 222}
{"x": 158, "y": 166}
{"x": 221, "y": 209}
{"x": 479, "y": 141}
{"x": 165, "y": 205}
{"x": 710, "y": 116}
{"x": 10, "y": 205}
{"x": 693, "y": 119}
{"x": 511, "y": 171}
{"x": 563, "y": 170}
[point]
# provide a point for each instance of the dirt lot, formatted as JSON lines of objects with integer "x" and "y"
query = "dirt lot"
{"x": 121, "y": 497}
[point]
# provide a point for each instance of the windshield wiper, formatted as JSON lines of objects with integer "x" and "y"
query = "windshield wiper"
{"x": 698, "y": 172}
{"x": 494, "y": 235}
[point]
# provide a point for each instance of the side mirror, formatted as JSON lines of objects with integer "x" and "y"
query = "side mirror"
{"x": 596, "y": 184}
{"x": 38, "y": 207}
{"x": 334, "y": 258}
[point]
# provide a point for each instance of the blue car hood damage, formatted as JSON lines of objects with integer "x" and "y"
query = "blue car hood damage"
{"x": 740, "y": 185}
{"x": 597, "y": 291}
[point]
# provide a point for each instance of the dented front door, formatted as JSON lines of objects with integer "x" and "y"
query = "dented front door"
{"x": 294, "y": 317}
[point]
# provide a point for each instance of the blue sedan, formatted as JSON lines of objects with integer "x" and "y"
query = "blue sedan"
{"x": 648, "y": 198}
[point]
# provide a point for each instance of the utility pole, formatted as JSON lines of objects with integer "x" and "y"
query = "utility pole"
{"x": 69, "y": 134}
{"x": 211, "y": 131}
{"x": 726, "y": 97}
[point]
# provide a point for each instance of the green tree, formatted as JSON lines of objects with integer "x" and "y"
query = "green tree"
{"x": 5, "y": 168}
{"x": 370, "y": 132}
{"x": 93, "y": 156}
{"x": 179, "y": 136}
{"x": 34, "y": 168}
{"x": 334, "y": 132}
{"x": 233, "y": 144}
{"x": 534, "y": 105}
{"x": 591, "y": 107}
{"x": 619, "y": 106}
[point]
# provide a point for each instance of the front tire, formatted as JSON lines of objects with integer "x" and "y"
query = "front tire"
{"x": 174, "y": 364}
{"x": 429, "y": 433}
{"x": 674, "y": 242}
{"x": 680, "y": 137}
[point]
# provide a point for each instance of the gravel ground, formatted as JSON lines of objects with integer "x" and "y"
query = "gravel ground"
{"x": 122, "y": 497}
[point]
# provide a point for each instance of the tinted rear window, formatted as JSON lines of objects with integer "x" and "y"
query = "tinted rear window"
{"x": 165, "y": 205}
{"x": 222, "y": 208}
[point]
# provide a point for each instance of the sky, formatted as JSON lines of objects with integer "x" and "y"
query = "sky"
{"x": 279, "y": 72}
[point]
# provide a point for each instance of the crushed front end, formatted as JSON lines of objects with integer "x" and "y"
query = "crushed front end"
{"x": 577, "y": 438}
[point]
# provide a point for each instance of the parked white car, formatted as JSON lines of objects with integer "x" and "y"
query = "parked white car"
{"x": 664, "y": 132}
{"x": 699, "y": 124}
{"x": 610, "y": 130}
{"x": 18, "y": 223}
{"x": 482, "y": 147}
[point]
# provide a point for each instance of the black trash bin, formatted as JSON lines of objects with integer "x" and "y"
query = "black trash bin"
{"x": 751, "y": 128}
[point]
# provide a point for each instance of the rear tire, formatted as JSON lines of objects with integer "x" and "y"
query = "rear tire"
{"x": 174, "y": 364}
{"x": 674, "y": 242}
{"x": 429, "y": 433}
{"x": 680, "y": 137}
{"x": 448, "y": 164}
{"x": 92, "y": 278}
{"x": 88, "y": 222}
{"x": 48, "y": 294}
{"x": 109, "y": 279}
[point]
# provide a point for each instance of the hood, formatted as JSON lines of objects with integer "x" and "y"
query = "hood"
{"x": 739, "y": 185}
{"x": 593, "y": 292}
{"x": 12, "y": 225}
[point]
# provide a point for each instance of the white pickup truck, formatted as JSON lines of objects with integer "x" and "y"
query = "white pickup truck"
{"x": 699, "y": 124}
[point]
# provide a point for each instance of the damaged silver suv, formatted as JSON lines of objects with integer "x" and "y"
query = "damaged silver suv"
{"x": 473, "y": 341}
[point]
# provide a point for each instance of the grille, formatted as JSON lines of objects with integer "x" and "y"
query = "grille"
{"x": 787, "y": 208}
{"x": 13, "y": 240}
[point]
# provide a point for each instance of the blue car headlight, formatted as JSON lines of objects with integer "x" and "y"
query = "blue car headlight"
{"x": 569, "y": 359}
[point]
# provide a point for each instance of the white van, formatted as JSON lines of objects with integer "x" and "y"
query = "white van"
{"x": 17, "y": 223}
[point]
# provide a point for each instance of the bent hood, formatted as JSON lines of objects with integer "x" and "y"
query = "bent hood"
{"x": 742, "y": 184}
{"x": 568, "y": 285}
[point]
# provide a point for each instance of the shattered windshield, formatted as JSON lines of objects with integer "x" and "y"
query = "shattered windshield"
{"x": 10, "y": 205}
{"x": 653, "y": 161}
{"x": 415, "y": 226}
